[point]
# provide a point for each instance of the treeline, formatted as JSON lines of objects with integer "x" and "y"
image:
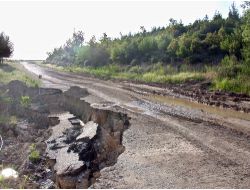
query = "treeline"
{"x": 6, "y": 47}
{"x": 204, "y": 41}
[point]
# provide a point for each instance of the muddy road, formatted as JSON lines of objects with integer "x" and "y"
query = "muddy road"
{"x": 172, "y": 142}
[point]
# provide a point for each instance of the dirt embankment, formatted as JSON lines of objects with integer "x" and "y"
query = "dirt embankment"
{"x": 60, "y": 125}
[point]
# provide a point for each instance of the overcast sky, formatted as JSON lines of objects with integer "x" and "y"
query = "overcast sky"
{"x": 36, "y": 27}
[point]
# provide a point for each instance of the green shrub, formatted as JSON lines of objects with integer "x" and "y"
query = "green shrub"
{"x": 25, "y": 101}
{"x": 34, "y": 155}
{"x": 233, "y": 76}
{"x": 135, "y": 69}
{"x": 229, "y": 67}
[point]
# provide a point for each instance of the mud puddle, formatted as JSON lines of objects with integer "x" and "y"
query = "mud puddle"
{"x": 202, "y": 107}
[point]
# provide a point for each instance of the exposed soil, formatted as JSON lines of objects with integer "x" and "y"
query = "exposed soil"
{"x": 198, "y": 92}
{"x": 172, "y": 142}
{"x": 71, "y": 152}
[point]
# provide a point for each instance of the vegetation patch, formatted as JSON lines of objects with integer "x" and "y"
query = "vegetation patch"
{"x": 183, "y": 51}
{"x": 156, "y": 73}
{"x": 8, "y": 120}
{"x": 34, "y": 155}
{"x": 9, "y": 71}
{"x": 25, "y": 101}
{"x": 233, "y": 76}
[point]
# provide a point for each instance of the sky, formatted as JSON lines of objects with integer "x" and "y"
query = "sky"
{"x": 36, "y": 27}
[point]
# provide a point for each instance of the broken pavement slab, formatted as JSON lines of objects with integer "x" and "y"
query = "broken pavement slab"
{"x": 76, "y": 121}
{"x": 89, "y": 131}
{"x": 71, "y": 170}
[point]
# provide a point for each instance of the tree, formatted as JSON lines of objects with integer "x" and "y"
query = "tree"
{"x": 92, "y": 42}
{"x": 143, "y": 30}
{"x": 203, "y": 41}
{"x": 233, "y": 13}
{"x": 232, "y": 44}
{"x": 78, "y": 38}
{"x": 6, "y": 47}
{"x": 105, "y": 41}
{"x": 172, "y": 49}
{"x": 246, "y": 5}
{"x": 246, "y": 37}
{"x": 92, "y": 56}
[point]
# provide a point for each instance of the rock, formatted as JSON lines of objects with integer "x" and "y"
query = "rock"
{"x": 48, "y": 184}
{"x": 49, "y": 173}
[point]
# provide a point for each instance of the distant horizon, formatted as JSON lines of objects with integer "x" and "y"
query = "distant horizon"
{"x": 48, "y": 24}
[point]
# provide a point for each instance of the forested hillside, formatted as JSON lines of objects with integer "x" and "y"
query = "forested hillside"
{"x": 198, "y": 47}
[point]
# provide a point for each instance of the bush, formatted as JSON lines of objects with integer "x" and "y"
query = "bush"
{"x": 233, "y": 85}
{"x": 34, "y": 155}
{"x": 135, "y": 69}
{"x": 229, "y": 67}
{"x": 233, "y": 76}
{"x": 25, "y": 101}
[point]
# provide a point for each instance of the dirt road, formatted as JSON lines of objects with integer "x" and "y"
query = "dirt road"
{"x": 172, "y": 142}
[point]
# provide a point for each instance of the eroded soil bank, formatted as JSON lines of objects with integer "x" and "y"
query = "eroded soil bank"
{"x": 74, "y": 139}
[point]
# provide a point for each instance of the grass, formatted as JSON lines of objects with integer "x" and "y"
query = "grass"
{"x": 3, "y": 184}
{"x": 151, "y": 74}
{"x": 237, "y": 85}
{"x": 230, "y": 75}
{"x": 173, "y": 78}
{"x": 233, "y": 76}
{"x": 6, "y": 119}
{"x": 10, "y": 71}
